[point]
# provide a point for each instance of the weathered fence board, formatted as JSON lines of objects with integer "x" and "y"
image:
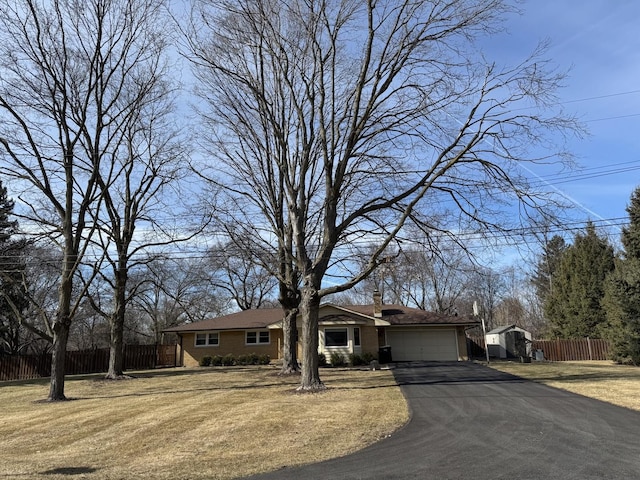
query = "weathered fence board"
{"x": 575, "y": 349}
{"x": 137, "y": 357}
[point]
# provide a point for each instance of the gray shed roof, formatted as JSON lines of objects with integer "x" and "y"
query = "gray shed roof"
{"x": 504, "y": 329}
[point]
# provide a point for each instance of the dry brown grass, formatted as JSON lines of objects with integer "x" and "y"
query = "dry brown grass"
{"x": 606, "y": 381}
{"x": 192, "y": 424}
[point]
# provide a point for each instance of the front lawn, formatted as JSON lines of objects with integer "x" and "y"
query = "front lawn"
{"x": 213, "y": 423}
{"x": 604, "y": 380}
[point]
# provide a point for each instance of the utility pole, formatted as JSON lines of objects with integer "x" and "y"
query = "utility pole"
{"x": 476, "y": 312}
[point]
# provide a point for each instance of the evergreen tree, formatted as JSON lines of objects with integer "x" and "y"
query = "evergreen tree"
{"x": 13, "y": 299}
{"x": 573, "y": 306}
{"x": 547, "y": 266}
{"x": 622, "y": 293}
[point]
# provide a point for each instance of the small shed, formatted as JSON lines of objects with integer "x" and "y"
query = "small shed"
{"x": 509, "y": 341}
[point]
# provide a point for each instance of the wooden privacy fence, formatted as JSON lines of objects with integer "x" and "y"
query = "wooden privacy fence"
{"x": 554, "y": 350}
{"x": 577, "y": 349}
{"x": 136, "y": 357}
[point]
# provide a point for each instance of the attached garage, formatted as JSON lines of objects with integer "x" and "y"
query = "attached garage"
{"x": 420, "y": 344}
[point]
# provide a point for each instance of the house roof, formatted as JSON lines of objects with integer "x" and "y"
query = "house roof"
{"x": 271, "y": 318}
{"x": 244, "y": 320}
{"x": 401, "y": 315}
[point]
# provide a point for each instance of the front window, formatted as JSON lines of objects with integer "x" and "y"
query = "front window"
{"x": 356, "y": 336}
{"x": 210, "y": 339}
{"x": 335, "y": 337}
{"x": 257, "y": 338}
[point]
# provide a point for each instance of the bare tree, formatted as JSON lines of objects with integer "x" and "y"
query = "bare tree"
{"x": 271, "y": 250}
{"x": 40, "y": 280}
{"x": 363, "y": 112}
{"x": 65, "y": 71}
{"x": 135, "y": 187}
{"x": 487, "y": 287}
{"x": 240, "y": 276}
{"x": 171, "y": 292}
{"x": 429, "y": 272}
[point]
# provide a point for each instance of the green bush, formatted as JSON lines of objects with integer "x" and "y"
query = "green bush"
{"x": 264, "y": 359}
{"x": 322, "y": 360}
{"x": 337, "y": 359}
{"x": 253, "y": 359}
{"x": 242, "y": 360}
{"x": 205, "y": 361}
{"x": 356, "y": 360}
{"x": 368, "y": 357}
{"x": 216, "y": 361}
{"x": 228, "y": 360}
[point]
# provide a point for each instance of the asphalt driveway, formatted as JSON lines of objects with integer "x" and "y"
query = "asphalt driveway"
{"x": 471, "y": 422}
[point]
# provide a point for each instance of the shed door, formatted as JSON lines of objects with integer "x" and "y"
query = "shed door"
{"x": 423, "y": 344}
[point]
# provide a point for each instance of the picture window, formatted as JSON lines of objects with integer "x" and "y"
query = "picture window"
{"x": 335, "y": 337}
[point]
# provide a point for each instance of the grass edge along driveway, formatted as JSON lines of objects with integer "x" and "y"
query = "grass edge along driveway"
{"x": 214, "y": 423}
{"x": 602, "y": 380}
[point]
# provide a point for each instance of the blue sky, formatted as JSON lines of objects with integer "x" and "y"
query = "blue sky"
{"x": 598, "y": 42}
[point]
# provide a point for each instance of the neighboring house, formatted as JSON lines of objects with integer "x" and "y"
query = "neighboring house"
{"x": 411, "y": 334}
{"x": 509, "y": 341}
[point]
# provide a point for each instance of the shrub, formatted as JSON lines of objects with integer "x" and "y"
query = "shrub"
{"x": 264, "y": 359}
{"x": 242, "y": 360}
{"x": 205, "y": 361}
{"x": 355, "y": 360}
{"x": 368, "y": 357}
{"x": 216, "y": 361}
{"x": 322, "y": 360}
{"x": 253, "y": 359}
{"x": 228, "y": 360}
{"x": 337, "y": 359}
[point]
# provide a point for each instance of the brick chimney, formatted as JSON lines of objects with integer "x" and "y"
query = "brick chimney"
{"x": 377, "y": 304}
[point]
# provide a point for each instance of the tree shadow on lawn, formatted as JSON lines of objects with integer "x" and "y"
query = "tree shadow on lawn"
{"x": 285, "y": 381}
{"x": 211, "y": 388}
{"x": 289, "y": 382}
{"x": 70, "y": 471}
{"x": 182, "y": 371}
{"x": 588, "y": 377}
{"x": 133, "y": 374}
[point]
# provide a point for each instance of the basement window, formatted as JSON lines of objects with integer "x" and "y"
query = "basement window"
{"x": 210, "y": 339}
{"x": 335, "y": 337}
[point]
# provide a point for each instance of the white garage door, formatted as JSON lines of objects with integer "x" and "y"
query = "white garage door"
{"x": 421, "y": 344}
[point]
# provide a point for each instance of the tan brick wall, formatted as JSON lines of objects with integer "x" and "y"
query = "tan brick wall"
{"x": 230, "y": 343}
{"x": 234, "y": 343}
{"x": 369, "y": 339}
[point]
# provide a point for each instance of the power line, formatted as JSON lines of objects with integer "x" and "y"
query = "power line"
{"x": 586, "y": 174}
{"x": 471, "y": 237}
{"x": 600, "y": 97}
{"x": 612, "y": 118}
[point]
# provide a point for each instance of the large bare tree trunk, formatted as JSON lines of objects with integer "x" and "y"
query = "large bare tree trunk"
{"x": 289, "y": 346}
{"x": 60, "y": 338}
{"x": 116, "y": 342}
{"x": 116, "y": 351}
{"x": 309, "y": 308}
{"x": 290, "y": 301}
{"x": 61, "y": 328}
